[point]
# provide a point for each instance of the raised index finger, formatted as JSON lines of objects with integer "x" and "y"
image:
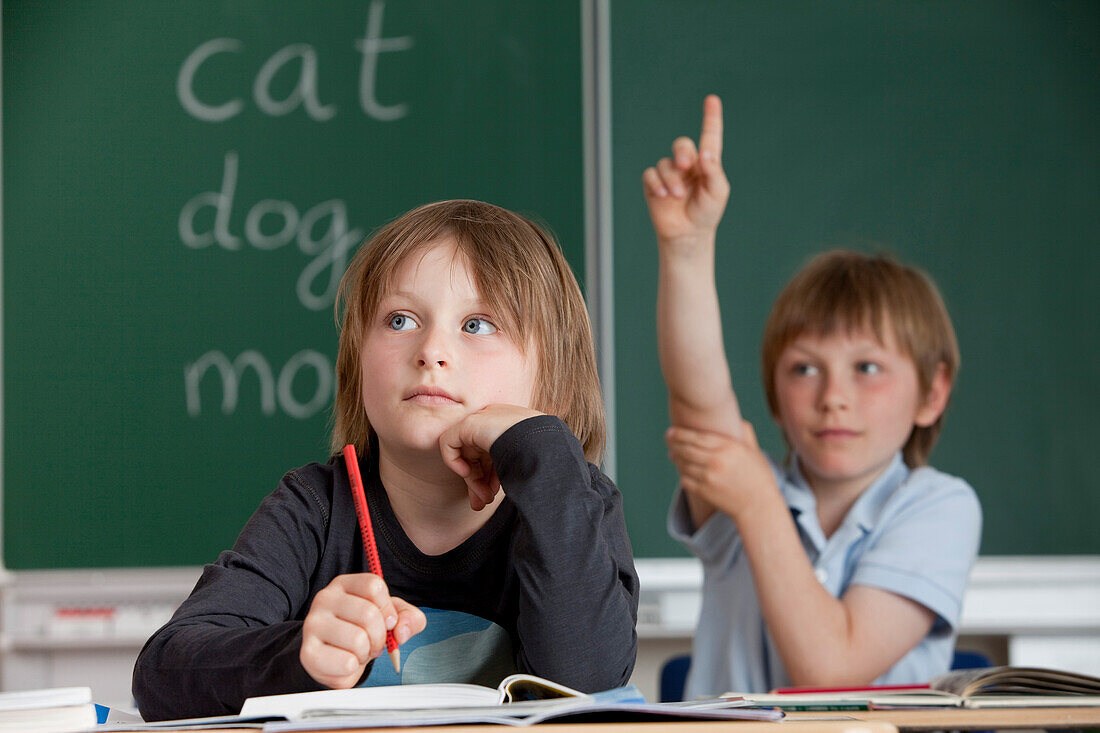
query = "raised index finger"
{"x": 710, "y": 139}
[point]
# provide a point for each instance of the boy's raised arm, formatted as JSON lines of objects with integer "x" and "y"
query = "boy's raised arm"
{"x": 686, "y": 195}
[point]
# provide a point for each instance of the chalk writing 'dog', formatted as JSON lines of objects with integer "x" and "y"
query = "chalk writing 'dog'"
{"x": 321, "y": 232}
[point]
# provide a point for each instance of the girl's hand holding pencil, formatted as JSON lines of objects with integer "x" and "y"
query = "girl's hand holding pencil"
{"x": 354, "y": 618}
{"x": 346, "y": 628}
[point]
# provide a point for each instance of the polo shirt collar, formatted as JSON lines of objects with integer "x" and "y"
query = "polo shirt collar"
{"x": 869, "y": 505}
{"x": 864, "y": 512}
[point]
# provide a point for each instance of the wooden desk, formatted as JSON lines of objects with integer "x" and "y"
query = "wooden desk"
{"x": 874, "y": 721}
{"x": 963, "y": 719}
{"x": 710, "y": 726}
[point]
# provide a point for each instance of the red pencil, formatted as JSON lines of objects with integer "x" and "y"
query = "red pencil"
{"x": 361, "y": 511}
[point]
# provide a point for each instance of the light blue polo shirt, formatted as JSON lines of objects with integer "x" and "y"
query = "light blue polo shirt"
{"x": 914, "y": 533}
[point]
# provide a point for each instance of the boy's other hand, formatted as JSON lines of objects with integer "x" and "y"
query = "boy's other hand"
{"x": 687, "y": 193}
{"x": 465, "y": 448}
{"x": 731, "y": 474}
{"x": 346, "y": 628}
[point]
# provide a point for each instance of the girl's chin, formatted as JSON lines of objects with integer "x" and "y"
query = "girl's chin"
{"x": 425, "y": 438}
{"x": 423, "y": 449}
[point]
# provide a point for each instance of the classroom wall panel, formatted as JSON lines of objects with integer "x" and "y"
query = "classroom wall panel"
{"x": 183, "y": 184}
{"x": 960, "y": 136}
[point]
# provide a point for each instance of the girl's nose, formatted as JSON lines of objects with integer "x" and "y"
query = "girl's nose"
{"x": 434, "y": 351}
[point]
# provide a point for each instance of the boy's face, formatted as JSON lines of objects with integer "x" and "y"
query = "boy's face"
{"x": 433, "y": 353}
{"x": 847, "y": 403}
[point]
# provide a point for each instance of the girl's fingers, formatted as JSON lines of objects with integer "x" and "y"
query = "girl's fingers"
{"x": 359, "y": 639}
{"x": 453, "y": 460}
{"x": 333, "y": 662}
{"x": 372, "y": 588}
{"x": 480, "y": 480}
{"x": 360, "y": 612}
{"x": 478, "y": 499}
{"x": 450, "y": 450}
{"x": 410, "y": 621}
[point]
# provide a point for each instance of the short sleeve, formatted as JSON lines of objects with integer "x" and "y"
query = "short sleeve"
{"x": 710, "y": 543}
{"x": 718, "y": 540}
{"x": 925, "y": 545}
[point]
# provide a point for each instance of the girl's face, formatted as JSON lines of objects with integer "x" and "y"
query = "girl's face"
{"x": 847, "y": 404}
{"x": 433, "y": 354}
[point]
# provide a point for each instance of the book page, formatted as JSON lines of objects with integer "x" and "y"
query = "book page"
{"x": 1016, "y": 681}
{"x": 519, "y": 687}
{"x": 396, "y": 697}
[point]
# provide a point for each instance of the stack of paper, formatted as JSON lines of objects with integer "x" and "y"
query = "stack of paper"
{"x": 57, "y": 710}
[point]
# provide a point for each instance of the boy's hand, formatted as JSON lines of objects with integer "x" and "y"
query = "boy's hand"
{"x": 730, "y": 474}
{"x": 346, "y": 628}
{"x": 465, "y": 448}
{"x": 687, "y": 193}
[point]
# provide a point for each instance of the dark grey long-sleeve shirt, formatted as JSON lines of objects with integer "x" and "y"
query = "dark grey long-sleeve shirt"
{"x": 552, "y": 569}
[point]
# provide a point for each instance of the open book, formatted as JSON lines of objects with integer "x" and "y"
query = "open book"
{"x": 1016, "y": 681}
{"x": 512, "y": 689}
{"x": 989, "y": 687}
{"x": 519, "y": 700}
{"x": 621, "y": 705}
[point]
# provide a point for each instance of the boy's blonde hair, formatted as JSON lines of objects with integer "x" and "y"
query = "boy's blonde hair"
{"x": 523, "y": 277}
{"x": 850, "y": 290}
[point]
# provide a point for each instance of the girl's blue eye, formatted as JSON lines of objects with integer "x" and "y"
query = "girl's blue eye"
{"x": 805, "y": 370}
{"x": 400, "y": 322}
{"x": 868, "y": 367}
{"x": 478, "y": 326}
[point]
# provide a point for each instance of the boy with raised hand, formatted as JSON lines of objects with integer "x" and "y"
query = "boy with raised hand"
{"x": 846, "y": 564}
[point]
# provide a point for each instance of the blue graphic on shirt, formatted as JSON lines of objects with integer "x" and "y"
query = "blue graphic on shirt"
{"x": 454, "y": 647}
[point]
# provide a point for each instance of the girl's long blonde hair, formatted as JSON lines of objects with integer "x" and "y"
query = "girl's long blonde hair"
{"x": 519, "y": 271}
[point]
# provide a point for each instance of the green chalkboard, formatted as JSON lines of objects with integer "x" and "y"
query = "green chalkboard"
{"x": 961, "y": 136}
{"x": 182, "y": 184}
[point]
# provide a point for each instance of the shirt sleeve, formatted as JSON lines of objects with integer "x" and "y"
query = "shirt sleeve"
{"x": 713, "y": 542}
{"x": 927, "y": 547}
{"x": 718, "y": 541}
{"x": 578, "y": 590}
{"x": 239, "y": 632}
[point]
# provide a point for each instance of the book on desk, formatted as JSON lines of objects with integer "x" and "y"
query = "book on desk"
{"x": 989, "y": 687}
{"x": 519, "y": 700}
{"x": 54, "y": 710}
